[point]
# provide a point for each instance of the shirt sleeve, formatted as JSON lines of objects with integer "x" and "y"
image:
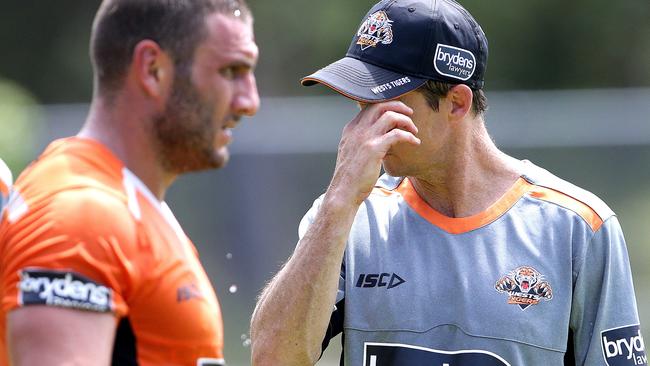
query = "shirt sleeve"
{"x": 73, "y": 251}
{"x": 335, "y": 325}
{"x": 604, "y": 318}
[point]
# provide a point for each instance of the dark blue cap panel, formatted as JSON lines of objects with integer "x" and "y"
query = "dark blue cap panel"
{"x": 407, "y": 39}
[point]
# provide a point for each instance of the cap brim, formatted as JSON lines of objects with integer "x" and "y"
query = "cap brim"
{"x": 362, "y": 81}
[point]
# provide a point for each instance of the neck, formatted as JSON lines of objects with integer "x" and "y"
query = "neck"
{"x": 471, "y": 176}
{"x": 126, "y": 132}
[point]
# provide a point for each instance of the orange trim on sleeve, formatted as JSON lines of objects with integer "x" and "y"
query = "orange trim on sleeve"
{"x": 569, "y": 202}
{"x": 460, "y": 225}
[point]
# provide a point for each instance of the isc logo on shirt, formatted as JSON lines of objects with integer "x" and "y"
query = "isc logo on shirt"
{"x": 64, "y": 289}
{"x": 388, "y": 280}
{"x": 623, "y": 346}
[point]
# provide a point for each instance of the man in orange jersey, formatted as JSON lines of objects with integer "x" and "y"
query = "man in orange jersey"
{"x": 95, "y": 268}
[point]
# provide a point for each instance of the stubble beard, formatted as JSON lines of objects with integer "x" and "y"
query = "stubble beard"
{"x": 185, "y": 133}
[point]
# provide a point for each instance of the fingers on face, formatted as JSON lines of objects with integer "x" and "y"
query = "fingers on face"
{"x": 382, "y": 117}
{"x": 396, "y": 135}
{"x": 376, "y": 111}
{"x": 371, "y": 112}
{"x": 391, "y": 120}
{"x": 386, "y": 123}
{"x": 394, "y": 105}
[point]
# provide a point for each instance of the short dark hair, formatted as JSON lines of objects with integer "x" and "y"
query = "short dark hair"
{"x": 434, "y": 90}
{"x": 178, "y": 26}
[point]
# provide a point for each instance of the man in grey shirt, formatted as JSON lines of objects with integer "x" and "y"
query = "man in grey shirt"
{"x": 459, "y": 255}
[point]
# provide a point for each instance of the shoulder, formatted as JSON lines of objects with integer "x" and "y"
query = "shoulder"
{"x": 72, "y": 176}
{"x": 91, "y": 210}
{"x": 71, "y": 163}
{"x": 309, "y": 216}
{"x": 65, "y": 193}
{"x": 85, "y": 219}
{"x": 84, "y": 234}
{"x": 386, "y": 186}
{"x": 550, "y": 188}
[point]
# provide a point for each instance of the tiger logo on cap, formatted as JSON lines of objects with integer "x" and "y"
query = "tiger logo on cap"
{"x": 376, "y": 29}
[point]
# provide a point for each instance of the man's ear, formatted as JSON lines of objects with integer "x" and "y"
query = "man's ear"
{"x": 152, "y": 69}
{"x": 461, "y": 98}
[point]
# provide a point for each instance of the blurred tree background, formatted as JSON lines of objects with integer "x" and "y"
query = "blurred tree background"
{"x": 244, "y": 218}
{"x": 549, "y": 44}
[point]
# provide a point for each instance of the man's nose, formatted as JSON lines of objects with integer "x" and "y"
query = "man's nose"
{"x": 247, "y": 100}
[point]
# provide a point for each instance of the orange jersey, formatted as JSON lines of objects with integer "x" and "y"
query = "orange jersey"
{"x": 83, "y": 232}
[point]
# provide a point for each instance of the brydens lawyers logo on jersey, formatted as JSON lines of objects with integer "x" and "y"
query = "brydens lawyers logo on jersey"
{"x": 62, "y": 288}
{"x": 454, "y": 62}
{"x": 374, "y": 30}
{"x": 623, "y": 346}
{"x": 525, "y": 286}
